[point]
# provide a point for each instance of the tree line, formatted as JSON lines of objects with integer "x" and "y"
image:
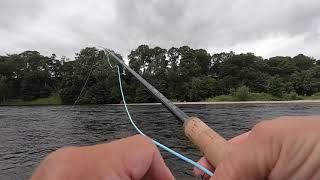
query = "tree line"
{"x": 181, "y": 74}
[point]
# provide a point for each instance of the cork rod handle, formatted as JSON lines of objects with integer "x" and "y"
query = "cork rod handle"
{"x": 214, "y": 146}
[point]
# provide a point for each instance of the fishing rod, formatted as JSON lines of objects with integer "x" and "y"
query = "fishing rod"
{"x": 209, "y": 142}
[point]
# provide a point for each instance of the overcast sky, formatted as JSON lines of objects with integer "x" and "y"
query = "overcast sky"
{"x": 265, "y": 27}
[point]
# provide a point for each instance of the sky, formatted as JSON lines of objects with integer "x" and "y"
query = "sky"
{"x": 265, "y": 27}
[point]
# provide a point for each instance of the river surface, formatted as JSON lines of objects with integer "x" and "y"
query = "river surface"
{"x": 27, "y": 134}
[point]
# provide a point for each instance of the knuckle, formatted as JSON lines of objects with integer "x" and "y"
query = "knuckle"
{"x": 286, "y": 117}
{"x": 272, "y": 126}
{"x": 65, "y": 150}
{"x": 63, "y": 161}
{"x": 62, "y": 153}
{"x": 147, "y": 144}
{"x": 226, "y": 170}
{"x": 140, "y": 138}
{"x": 264, "y": 130}
{"x": 144, "y": 141}
{"x": 260, "y": 127}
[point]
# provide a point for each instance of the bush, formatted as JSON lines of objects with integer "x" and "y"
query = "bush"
{"x": 263, "y": 97}
{"x": 276, "y": 86}
{"x": 291, "y": 96}
{"x": 315, "y": 96}
{"x": 221, "y": 98}
{"x": 242, "y": 93}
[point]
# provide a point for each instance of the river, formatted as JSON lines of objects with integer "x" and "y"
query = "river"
{"x": 28, "y": 133}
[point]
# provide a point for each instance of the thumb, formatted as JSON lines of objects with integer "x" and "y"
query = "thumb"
{"x": 251, "y": 160}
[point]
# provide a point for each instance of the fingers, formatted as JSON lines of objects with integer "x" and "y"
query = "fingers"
{"x": 157, "y": 170}
{"x": 253, "y": 158}
{"x": 245, "y": 164}
{"x": 203, "y": 161}
{"x": 130, "y": 158}
{"x": 284, "y": 148}
{"x": 136, "y": 158}
{"x": 236, "y": 140}
{"x": 240, "y": 139}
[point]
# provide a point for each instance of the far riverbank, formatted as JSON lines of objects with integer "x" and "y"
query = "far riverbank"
{"x": 227, "y": 102}
{"x": 55, "y": 100}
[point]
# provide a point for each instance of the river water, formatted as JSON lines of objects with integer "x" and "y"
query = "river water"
{"x": 27, "y": 134}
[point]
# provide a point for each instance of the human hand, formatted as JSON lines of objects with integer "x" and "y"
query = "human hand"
{"x": 283, "y": 148}
{"x": 130, "y": 158}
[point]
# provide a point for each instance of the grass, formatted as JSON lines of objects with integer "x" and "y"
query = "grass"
{"x": 222, "y": 98}
{"x": 52, "y": 100}
{"x": 55, "y": 99}
{"x": 315, "y": 96}
{"x": 264, "y": 97}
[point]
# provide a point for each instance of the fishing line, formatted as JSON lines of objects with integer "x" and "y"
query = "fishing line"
{"x": 84, "y": 85}
{"x": 63, "y": 117}
{"x": 180, "y": 156}
{"x": 109, "y": 61}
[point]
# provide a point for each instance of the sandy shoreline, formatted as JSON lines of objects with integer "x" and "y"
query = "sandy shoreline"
{"x": 228, "y": 102}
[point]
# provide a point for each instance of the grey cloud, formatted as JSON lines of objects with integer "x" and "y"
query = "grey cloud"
{"x": 66, "y": 26}
{"x": 206, "y": 22}
{"x": 13, "y": 12}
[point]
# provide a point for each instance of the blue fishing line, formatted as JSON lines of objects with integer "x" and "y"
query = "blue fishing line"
{"x": 184, "y": 158}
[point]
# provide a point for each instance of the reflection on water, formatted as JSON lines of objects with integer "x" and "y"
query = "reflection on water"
{"x": 27, "y": 134}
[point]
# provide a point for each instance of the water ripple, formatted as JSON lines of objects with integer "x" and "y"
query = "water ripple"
{"x": 28, "y": 134}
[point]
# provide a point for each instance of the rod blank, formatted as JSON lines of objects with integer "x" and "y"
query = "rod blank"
{"x": 177, "y": 112}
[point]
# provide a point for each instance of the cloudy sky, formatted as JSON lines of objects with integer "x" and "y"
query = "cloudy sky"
{"x": 265, "y": 27}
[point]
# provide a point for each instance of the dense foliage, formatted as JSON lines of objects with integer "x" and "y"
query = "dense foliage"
{"x": 182, "y": 74}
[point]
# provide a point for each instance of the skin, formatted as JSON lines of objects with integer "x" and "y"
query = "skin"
{"x": 283, "y": 148}
{"x": 126, "y": 159}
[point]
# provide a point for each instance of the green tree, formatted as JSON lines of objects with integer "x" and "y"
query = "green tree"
{"x": 152, "y": 64}
{"x": 180, "y": 73}
{"x": 242, "y": 93}
{"x": 3, "y": 89}
{"x": 303, "y": 62}
{"x": 282, "y": 66}
{"x": 173, "y": 78}
{"x": 34, "y": 85}
{"x": 303, "y": 82}
{"x": 29, "y": 75}
{"x": 243, "y": 69}
{"x": 140, "y": 58}
{"x": 90, "y": 66}
{"x": 276, "y": 86}
{"x": 200, "y": 88}
{"x": 217, "y": 60}
{"x": 188, "y": 67}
